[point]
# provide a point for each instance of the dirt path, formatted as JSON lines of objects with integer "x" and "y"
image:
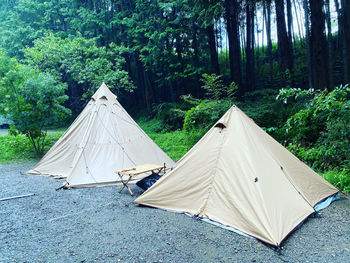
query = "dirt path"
{"x": 101, "y": 225}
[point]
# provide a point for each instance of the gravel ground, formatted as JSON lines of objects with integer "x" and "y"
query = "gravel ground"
{"x": 101, "y": 225}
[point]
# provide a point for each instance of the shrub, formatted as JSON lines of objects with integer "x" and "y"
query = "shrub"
{"x": 321, "y": 129}
{"x": 263, "y": 108}
{"x": 150, "y": 125}
{"x": 204, "y": 115}
{"x": 33, "y": 101}
{"x": 206, "y": 112}
{"x": 170, "y": 114}
{"x": 340, "y": 178}
{"x": 215, "y": 89}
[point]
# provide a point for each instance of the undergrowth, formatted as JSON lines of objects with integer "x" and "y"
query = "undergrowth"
{"x": 175, "y": 144}
{"x": 340, "y": 178}
{"x": 19, "y": 148}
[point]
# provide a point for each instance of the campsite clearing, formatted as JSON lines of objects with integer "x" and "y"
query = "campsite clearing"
{"x": 101, "y": 225}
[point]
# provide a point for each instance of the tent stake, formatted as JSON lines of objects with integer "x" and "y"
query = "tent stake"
{"x": 15, "y": 197}
{"x": 59, "y": 188}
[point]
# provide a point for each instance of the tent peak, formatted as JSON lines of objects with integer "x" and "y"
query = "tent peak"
{"x": 104, "y": 92}
{"x": 224, "y": 120}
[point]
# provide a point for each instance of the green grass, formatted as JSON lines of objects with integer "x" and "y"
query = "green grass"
{"x": 339, "y": 178}
{"x": 175, "y": 144}
{"x": 18, "y": 148}
{"x": 151, "y": 126}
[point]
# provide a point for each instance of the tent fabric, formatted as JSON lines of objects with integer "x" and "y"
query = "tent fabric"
{"x": 239, "y": 176}
{"x": 102, "y": 139}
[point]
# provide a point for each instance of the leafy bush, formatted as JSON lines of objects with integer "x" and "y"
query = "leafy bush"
{"x": 263, "y": 108}
{"x": 320, "y": 132}
{"x": 33, "y": 101}
{"x": 170, "y": 114}
{"x": 340, "y": 178}
{"x": 150, "y": 125}
{"x": 79, "y": 61}
{"x": 215, "y": 89}
{"x": 205, "y": 114}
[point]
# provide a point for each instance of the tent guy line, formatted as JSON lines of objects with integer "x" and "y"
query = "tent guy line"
{"x": 80, "y": 212}
{"x": 17, "y": 197}
{"x": 112, "y": 136}
{"x": 123, "y": 119}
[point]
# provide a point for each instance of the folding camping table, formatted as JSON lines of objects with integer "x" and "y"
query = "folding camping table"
{"x": 134, "y": 171}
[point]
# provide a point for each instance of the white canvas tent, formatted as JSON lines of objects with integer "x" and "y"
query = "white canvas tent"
{"x": 239, "y": 176}
{"x": 102, "y": 139}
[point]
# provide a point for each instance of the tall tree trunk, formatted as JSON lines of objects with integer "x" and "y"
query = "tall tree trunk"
{"x": 170, "y": 94}
{"x": 243, "y": 43}
{"x": 298, "y": 22}
{"x": 232, "y": 7}
{"x": 250, "y": 78}
{"x": 141, "y": 80}
{"x": 318, "y": 44}
{"x": 257, "y": 43}
{"x": 290, "y": 22}
{"x": 178, "y": 47}
{"x": 330, "y": 42}
{"x": 346, "y": 38}
{"x": 268, "y": 35}
{"x": 212, "y": 47}
{"x": 263, "y": 29}
{"x": 307, "y": 40}
{"x": 195, "y": 45}
{"x": 284, "y": 48}
{"x": 196, "y": 56}
{"x": 149, "y": 88}
{"x": 337, "y": 8}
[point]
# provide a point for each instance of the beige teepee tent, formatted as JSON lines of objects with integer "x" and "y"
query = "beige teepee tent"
{"x": 102, "y": 139}
{"x": 239, "y": 176}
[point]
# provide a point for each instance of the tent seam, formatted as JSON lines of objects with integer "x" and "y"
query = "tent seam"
{"x": 86, "y": 132}
{"x": 203, "y": 206}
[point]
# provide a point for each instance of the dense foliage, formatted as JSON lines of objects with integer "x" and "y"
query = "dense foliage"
{"x": 165, "y": 46}
{"x": 32, "y": 100}
{"x": 80, "y": 63}
{"x": 319, "y": 133}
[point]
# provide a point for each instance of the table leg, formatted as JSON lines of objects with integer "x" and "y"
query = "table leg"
{"x": 125, "y": 184}
{"x": 121, "y": 179}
